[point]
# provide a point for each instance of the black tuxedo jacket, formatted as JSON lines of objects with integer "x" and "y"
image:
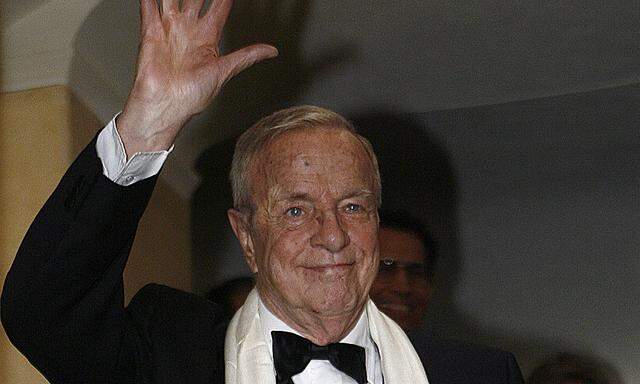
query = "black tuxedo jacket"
{"x": 63, "y": 306}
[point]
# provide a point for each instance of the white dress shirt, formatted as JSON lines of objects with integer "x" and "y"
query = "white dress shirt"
{"x": 115, "y": 165}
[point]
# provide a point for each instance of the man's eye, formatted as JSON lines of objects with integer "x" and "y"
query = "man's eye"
{"x": 294, "y": 212}
{"x": 354, "y": 208}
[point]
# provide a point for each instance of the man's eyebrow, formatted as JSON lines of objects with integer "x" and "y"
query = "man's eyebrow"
{"x": 292, "y": 196}
{"x": 297, "y": 196}
{"x": 363, "y": 192}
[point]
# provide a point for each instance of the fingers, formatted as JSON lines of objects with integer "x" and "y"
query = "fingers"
{"x": 170, "y": 6}
{"x": 149, "y": 16}
{"x": 216, "y": 17}
{"x": 238, "y": 61}
{"x": 192, "y": 7}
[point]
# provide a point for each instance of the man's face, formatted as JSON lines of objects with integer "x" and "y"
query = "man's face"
{"x": 314, "y": 229}
{"x": 401, "y": 289}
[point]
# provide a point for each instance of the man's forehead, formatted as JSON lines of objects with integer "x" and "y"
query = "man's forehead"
{"x": 307, "y": 190}
{"x": 312, "y": 150}
{"x": 296, "y": 161}
{"x": 401, "y": 244}
{"x": 317, "y": 136}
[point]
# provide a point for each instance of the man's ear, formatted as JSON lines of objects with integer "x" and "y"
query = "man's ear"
{"x": 241, "y": 227}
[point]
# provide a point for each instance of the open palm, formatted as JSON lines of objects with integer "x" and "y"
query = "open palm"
{"x": 179, "y": 71}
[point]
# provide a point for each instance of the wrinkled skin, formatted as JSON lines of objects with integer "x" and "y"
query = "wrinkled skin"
{"x": 312, "y": 240}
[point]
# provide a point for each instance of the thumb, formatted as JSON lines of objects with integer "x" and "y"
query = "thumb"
{"x": 243, "y": 58}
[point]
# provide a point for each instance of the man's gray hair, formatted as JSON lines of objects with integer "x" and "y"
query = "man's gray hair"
{"x": 256, "y": 138}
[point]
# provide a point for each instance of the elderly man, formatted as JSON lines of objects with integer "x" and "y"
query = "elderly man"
{"x": 306, "y": 191}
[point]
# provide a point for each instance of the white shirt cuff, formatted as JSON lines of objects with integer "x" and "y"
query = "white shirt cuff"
{"x": 115, "y": 166}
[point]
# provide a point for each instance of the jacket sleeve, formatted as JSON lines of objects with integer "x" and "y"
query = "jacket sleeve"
{"x": 62, "y": 302}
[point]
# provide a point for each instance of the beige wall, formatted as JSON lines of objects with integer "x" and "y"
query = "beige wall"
{"x": 41, "y": 130}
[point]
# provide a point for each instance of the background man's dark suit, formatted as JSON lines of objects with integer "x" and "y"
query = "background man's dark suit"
{"x": 456, "y": 362}
{"x": 63, "y": 305}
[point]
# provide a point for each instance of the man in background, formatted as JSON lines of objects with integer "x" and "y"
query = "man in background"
{"x": 408, "y": 256}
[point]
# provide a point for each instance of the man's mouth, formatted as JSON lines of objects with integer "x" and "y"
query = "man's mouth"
{"x": 331, "y": 268}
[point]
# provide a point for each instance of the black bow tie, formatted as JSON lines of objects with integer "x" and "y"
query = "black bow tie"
{"x": 292, "y": 353}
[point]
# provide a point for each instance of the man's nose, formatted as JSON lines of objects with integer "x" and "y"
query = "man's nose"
{"x": 330, "y": 234}
{"x": 401, "y": 283}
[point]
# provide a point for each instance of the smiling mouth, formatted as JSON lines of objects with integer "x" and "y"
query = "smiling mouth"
{"x": 330, "y": 268}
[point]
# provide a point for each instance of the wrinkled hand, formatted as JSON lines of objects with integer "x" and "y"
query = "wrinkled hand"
{"x": 179, "y": 70}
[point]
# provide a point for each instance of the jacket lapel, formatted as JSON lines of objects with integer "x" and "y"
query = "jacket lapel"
{"x": 247, "y": 357}
{"x": 399, "y": 360}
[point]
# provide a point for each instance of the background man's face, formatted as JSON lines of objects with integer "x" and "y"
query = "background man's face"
{"x": 315, "y": 226}
{"x": 401, "y": 290}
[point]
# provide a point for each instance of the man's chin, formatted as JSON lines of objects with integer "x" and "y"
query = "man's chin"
{"x": 400, "y": 313}
{"x": 337, "y": 305}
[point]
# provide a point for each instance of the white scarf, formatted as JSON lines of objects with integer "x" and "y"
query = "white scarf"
{"x": 248, "y": 361}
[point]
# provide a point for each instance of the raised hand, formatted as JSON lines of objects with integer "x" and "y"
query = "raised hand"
{"x": 179, "y": 71}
